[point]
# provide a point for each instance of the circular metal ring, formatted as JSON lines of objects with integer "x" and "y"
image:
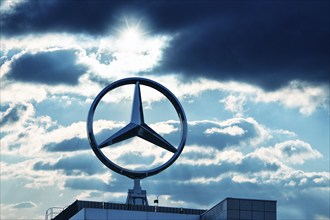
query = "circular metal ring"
{"x": 96, "y": 147}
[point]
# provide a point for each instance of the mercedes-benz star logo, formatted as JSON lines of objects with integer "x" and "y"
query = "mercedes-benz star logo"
{"x": 137, "y": 127}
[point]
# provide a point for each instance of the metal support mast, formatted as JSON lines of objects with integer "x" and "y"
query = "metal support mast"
{"x": 137, "y": 196}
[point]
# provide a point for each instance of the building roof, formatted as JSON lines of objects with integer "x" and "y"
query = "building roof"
{"x": 75, "y": 207}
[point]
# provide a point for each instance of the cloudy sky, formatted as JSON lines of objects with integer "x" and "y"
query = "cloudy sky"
{"x": 252, "y": 76}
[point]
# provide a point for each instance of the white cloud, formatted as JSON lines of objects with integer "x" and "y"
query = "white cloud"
{"x": 199, "y": 85}
{"x": 165, "y": 127}
{"x": 9, "y": 6}
{"x": 26, "y": 135}
{"x": 24, "y": 205}
{"x": 30, "y": 133}
{"x": 289, "y": 152}
{"x": 16, "y": 117}
{"x": 22, "y": 93}
{"x": 36, "y": 43}
{"x": 8, "y": 211}
{"x": 234, "y": 104}
{"x": 232, "y": 130}
{"x": 321, "y": 217}
{"x": 142, "y": 56}
{"x": 307, "y": 98}
{"x": 92, "y": 195}
{"x": 137, "y": 154}
{"x": 123, "y": 63}
{"x": 243, "y": 179}
{"x": 205, "y": 156}
{"x": 284, "y": 132}
{"x": 261, "y": 132}
{"x": 31, "y": 178}
{"x": 204, "y": 180}
{"x": 231, "y": 156}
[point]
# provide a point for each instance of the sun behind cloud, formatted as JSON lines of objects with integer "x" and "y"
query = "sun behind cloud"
{"x": 131, "y": 36}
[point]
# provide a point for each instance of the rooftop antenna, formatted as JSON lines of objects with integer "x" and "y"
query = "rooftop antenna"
{"x": 156, "y": 201}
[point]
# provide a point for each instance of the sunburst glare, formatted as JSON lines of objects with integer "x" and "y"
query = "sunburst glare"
{"x": 131, "y": 36}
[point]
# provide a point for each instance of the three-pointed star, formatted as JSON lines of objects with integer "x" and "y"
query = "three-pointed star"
{"x": 137, "y": 127}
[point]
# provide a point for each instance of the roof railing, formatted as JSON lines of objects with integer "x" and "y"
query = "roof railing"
{"x": 52, "y": 212}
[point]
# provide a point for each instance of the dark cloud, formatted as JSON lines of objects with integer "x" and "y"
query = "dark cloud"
{"x": 25, "y": 205}
{"x": 172, "y": 175}
{"x": 133, "y": 158}
{"x": 13, "y": 115}
{"x": 74, "y": 144}
{"x": 51, "y": 67}
{"x": 119, "y": 184}
{"x": 92, "y": 17}
{"x": 264, "y": 43}
{"x": 213, "y": 192}
{"x": 74, "y": 165}
{"x": 209, "y": 194}
{"x": 87, "y": 184}
{"x": 249, "y": 165}
{"x": 318, "y": 201}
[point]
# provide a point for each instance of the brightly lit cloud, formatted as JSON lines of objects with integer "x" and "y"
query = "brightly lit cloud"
{"x": 209, "y": 156}
{"x": 284, "y": 174}
{"x": 8, "y": 7}
{"x": 307, "y": 98}
{"x": 233, "y": 130}
{"x": 126, "y": 61}
{"x": 289, "y": 152}
{"x": 141, "y": 53}
{"x": 276, "y": 156}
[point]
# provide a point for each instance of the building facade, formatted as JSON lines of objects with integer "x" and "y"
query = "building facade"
{"x": 236, "y": 209}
